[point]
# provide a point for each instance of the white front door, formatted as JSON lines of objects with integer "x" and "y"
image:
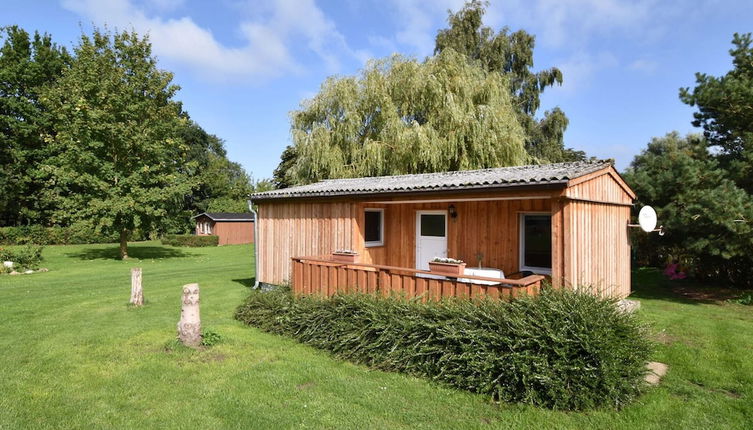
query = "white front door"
{"x": 431, "y": 237}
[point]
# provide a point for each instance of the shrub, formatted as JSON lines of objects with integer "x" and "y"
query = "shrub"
{"x": 561, "y": 349}
{"x": 745, "y": 299}
{"x": 190, "y": 240}
{"x": 209, "y": 337}
{"x": 24, "y": 258}
{"x": 73, "y": 235}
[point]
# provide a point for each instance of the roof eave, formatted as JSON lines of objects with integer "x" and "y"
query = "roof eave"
{"x": 539, "y": 185}
{"x": 223, "y": 219}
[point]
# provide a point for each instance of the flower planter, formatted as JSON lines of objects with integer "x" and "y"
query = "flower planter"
{"x": 447, "y": 269}
{"x": 345, "y": 257}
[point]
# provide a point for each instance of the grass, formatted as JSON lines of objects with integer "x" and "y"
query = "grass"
{"x": 75, "y": 355}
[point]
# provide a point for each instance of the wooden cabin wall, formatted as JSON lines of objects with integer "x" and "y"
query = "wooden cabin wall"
{"x": 595, "y": 248}
{"x": 300, "y": 229}
{"x": 600, "y": 188}
{"x": 234, "y": 233}
{"x": 598, "y": 254}
{"x": 589, "y": 239}
{"x": 488, "y": 227}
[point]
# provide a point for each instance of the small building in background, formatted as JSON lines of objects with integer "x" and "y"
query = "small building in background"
{"x": 232, "y": 228}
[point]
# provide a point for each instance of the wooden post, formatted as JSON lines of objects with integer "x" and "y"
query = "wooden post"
{"x": 189, "y": 326}
{"x": 137, "y": 294}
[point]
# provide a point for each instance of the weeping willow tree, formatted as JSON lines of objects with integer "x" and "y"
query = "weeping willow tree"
{"x": 511, "y": 54}
{"x": 403, "y": 116}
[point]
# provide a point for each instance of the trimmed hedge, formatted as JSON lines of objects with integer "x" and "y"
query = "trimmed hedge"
{"x": 561, "y": 349}
{"x": 25, "y": 257}
{"x": 190, "y": 240}
{"x": 74, "y": 235}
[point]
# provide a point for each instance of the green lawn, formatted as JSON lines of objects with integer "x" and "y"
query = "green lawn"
{"x": 74, "y": 355}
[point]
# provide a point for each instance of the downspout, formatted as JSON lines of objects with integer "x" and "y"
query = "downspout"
{"x": 256, "y": 242}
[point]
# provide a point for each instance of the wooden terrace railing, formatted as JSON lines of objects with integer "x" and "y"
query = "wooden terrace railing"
{"x": 321, "y": 275}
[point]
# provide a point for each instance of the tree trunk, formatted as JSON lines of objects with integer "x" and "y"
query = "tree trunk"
{"x": 189, "y": 326}
{"x": 137, "y": 294}
{"x": 124, "y": 244}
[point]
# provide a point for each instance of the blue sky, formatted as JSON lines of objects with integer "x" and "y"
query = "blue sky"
{"x": 243, "y": 65}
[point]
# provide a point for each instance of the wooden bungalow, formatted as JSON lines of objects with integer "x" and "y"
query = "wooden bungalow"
{"x": 232, "y": 228}
{"x": 512, "y": 226}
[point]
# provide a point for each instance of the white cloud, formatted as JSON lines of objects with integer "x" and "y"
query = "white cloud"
{"x": 554, "y": 22}
{"x": 643, "y": 65}
{"x": 165, "y": 5}
{"x": 558, "y": 23}
{"x": 570, "y": 27}
{"x": 580, "y": 67}
{"x": 581, "y": 31}
{"x": 417, "y": 22}
{"x": 384, "y": 43}
{"x": 263, "y": 54}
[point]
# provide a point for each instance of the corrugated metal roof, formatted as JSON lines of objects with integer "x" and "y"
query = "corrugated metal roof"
{"x": 501, "y": 177}
{"x": 228, "y": 216}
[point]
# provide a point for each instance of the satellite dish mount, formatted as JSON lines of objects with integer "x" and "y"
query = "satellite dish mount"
{"x": 647, "y": 221}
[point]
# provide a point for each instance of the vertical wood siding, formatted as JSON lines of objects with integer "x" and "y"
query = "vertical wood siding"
{"x": 319, "y": 277}
{"x": 487, "y": 227}
{"x": 595, "y": 252}
{"x": 589, "y": 240}
{"x": 293, "y": 229}
{"x": 234, "y": 233}
{"x": 598, "y": 257}
{"x": 601, "y": 188}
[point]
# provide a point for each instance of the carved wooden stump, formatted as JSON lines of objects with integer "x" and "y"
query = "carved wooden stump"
{"x": 189, "y": 326}
{"x": 137, "y": 294}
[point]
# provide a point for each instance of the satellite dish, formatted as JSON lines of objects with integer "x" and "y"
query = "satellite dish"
{"x": 647, "y": 219}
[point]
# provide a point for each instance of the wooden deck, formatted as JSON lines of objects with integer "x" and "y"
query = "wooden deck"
{"x": 322, "y": 276}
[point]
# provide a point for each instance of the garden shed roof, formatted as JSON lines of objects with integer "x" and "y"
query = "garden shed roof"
{"x": 228, "y": 216}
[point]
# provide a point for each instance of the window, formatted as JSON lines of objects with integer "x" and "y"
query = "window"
{"x": 433, "y": 225}
{"x": 205, "y": 227}
{"x": 536, "y": 243}
{"x": 374, "y": 227}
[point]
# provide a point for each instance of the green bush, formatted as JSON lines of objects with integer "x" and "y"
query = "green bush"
{"x": 24, "y": 257}
{"x": 561, "y": 349}
{"x": 73, "y": 235}
{"x": 745, "y": 299}
{"x": 190, "y": 240}
{"x": 209, "y": 337}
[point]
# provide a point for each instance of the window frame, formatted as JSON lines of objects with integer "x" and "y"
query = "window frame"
{"x": 374, "y": 243}
{"x": 522, "y": 244}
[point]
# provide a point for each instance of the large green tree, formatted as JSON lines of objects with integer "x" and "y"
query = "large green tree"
{"x": 116, "y": 139}
{"x": 725, "y": 111}
{"x": 27, "y": 64}
{"x": 511, "y": 54}
{"x": 702, "y": 187}
{"x": 280, "y": 177}
{"x": 705, "y": 214}
{"x": 404, "y": 116}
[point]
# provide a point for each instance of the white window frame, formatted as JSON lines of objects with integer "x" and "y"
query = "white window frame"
{"x": 373, "y": 243}
{"x": 522, "y": 244}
